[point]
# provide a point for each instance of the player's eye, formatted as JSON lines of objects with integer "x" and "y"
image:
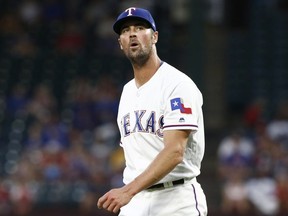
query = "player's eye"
{"x": 124, "y": 30}
{"x": 140, "y": 27}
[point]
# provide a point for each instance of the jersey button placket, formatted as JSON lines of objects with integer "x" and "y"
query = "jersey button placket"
{"x": 137, "y": 98}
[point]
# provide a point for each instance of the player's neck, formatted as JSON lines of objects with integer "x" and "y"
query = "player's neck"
{"x": 143, "y": 74}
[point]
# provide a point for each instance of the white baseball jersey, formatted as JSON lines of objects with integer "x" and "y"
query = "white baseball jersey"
{"x": 170, "y": 100}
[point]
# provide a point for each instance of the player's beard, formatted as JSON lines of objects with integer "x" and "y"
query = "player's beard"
{"x": 140, "y": 56}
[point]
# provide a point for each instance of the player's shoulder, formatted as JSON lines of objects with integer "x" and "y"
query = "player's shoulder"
{"x": 173, "y": 78}
{"x": 130, "y": 82}
{"x": 130, "y": 85}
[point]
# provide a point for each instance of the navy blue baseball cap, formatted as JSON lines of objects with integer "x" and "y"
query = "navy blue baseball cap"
{"x": 134, "y": 13}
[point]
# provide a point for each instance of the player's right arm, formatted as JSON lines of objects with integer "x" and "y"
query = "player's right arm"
{"x": 172, "y": 154}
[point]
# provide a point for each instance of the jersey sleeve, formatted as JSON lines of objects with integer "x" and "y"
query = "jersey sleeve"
{"x": 183, "y": 107}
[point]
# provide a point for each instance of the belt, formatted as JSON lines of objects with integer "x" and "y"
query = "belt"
{"x": 167, "y": 184}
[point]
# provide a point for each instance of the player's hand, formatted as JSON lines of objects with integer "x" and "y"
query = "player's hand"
{"x": 114, "y": 199}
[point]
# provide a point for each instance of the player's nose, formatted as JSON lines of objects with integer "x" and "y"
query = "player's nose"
{"x": 132, "y": 32}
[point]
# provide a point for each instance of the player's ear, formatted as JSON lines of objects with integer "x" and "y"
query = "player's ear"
{"x": 155, "y": 37}
{"x": 119, "y": 41}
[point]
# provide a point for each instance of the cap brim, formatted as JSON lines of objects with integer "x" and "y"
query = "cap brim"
{"x": 118, "y": 24}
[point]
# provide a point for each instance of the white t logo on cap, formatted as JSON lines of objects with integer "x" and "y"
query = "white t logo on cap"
{"x": 129, "y": 10}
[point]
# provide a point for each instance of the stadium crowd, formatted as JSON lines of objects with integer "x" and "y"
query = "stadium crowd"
{"x": 59, "y": 145}
{"x": 253, "y": 163}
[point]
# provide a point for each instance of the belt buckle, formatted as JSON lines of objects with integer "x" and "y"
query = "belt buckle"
{"x": 168, "y": 184}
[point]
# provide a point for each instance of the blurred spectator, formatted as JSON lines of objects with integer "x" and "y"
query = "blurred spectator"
{"x": 236, "y": 158}
{"x": 10, "y": 25}
{"x": 79, "y": 97}
{"x": 105, "y": 97}
{"x": 79, "y": 163}
{"x": 215, "y": 11}
{"x": 282, "y": 191}
{"x": 267, "y": 151}
{"x": 42, "y": 103}
{"x": 30, "y": 12}
{"x": 54, "y": 131}
{"x": 254, "y": 114}
{"x": 54, "y": 163}
{"x": 117, "y": 164}
{"x": 71, "y": 40}
{"x": 33, "y": 138}
{"x": 235, "y": 195}
{"x": 23, "y": 46}
{"x": 180, "y": 12}
{"x": 105, "y": 137}
{"x": 16, "y": 40}
{"x": 11, "y": 31}
{"x": 17, "y": 100}
{"x": 5, "y": 205}
{"x": 21, "y": 197}
{"x": 262, "y": 192}
{"x": 236, "y": 151}
{"x": 277, "y": 129}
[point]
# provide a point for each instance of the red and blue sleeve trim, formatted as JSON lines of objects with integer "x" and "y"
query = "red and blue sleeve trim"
{"x": 185, "y": 125}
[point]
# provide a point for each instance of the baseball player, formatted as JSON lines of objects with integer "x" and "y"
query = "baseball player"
{"x": 162, "y": 132}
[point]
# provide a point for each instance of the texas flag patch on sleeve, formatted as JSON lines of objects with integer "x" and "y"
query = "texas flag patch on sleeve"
{"x": 177, "y": 104}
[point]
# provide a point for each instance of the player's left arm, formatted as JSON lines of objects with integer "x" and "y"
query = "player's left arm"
{"x": 172, "y": 154}
{"x": 175, "y": 142}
